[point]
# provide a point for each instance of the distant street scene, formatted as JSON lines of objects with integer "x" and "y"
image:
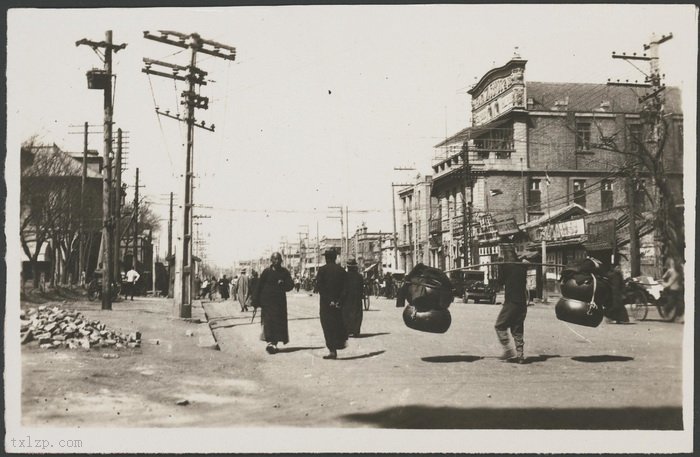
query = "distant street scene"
{"x": 347, "y": 220}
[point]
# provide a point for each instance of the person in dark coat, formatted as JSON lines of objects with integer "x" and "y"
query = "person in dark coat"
{"x": 329, "y": 284}
{"x": 271, "y": 296}
{"x": 353, "y": 292}
{"x": 514, "y": 310}
{"x": 224, "y": 284}
{"x": 617, "y": 312}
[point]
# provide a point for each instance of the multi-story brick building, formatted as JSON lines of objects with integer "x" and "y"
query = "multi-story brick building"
{"x": 536, "y": 147}
{"x": 413, "y": 224}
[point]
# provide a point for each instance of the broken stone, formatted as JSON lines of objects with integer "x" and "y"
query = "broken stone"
{"x": 108, "y": 355}
{"x": 59, "y": 338}
{"x": 46, "y": 346}
{"x": 154, "y": 341}
{"x": 189, "y": 333}
{"x": 49, "y": 327}
{"x": 85, "y": 343}
{"x": 182, "y": 402}
{"x": 27, "y": 337}
{"x": 133, "y": 344}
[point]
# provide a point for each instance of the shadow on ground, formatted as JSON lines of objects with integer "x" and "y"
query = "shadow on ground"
{"x": 299, "y": 348}
{"x": 369, "y": 335}
{"x": 602, "y": 358}
{"x": 362, "y": 356}
{"x": 429, "y": 417}
{"x": 451, "y": 358}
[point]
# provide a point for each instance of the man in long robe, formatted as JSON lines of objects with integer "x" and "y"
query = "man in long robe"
{"x": 329, "y": 284}
{"x": 271, "y": 296}
{"x": 353, "y": 293}
{"x": 243, "y": 291}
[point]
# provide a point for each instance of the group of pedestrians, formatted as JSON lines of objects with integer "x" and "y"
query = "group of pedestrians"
{"x": 340, "y": 300}
{"x": 209, "y": 287}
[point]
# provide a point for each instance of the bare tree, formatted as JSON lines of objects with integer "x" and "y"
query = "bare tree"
{"x": 50, "y": 206}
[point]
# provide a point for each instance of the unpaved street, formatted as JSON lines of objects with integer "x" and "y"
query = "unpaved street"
{"x": 610, "y": 377}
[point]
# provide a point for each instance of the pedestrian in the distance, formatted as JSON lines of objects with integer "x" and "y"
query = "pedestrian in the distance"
{"x": 131, "y": 277}
{"x": 329, "y": 283}
{"x": 204, "y": 288}
{"x": 271, "y": 296}
{"x": 618, "y": 312}
{"x": 223, "y": 287}
{"x": 213, "y": 285}
{"x": 297, "y": 283}
{"x": 353, "y": 293}
{"x": 243, "y": 290}
{"x": 514, "y": 310}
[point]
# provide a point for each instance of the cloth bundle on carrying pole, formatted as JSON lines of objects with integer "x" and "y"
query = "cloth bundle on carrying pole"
{"x": 586, "y": 294}
{"x": 428, "y": 291}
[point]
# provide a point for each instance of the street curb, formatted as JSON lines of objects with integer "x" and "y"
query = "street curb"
{"x": 208, "y": 340}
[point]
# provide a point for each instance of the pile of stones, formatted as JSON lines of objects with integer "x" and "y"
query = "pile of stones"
{"x": 54, "y": 328}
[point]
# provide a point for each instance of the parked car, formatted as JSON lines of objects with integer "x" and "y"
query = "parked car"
{"x": 480, "y": 291}
{"x": 470, "y": 284}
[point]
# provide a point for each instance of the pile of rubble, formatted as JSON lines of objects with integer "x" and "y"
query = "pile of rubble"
{"x": 55, "y": 327}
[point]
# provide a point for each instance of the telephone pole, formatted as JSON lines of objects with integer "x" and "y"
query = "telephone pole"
{"x": 81, "y": 233}
{"x": 653, "y": 107}
{"x": 342, "y": 230}
{"x": 103, "y": 80}
{"x": 194, "y": 77}
{"x": 136, "y": 220}
{"x": 170, "y": 227}
{"x": 467, "y": 208}
{"x": 117, "y": 205}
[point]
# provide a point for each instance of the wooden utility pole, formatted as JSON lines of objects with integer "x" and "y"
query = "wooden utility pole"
{"x": 170, "y": 227}
{"x": 194, "y": 77}
{"x": 117, "y": 206}
{"x": 654, "y": 107}
{"x": 81, "y": 232}
{"x": 136, "y": 221}
{"x": 103, "y": 80}
{"x": 467, "y": 208}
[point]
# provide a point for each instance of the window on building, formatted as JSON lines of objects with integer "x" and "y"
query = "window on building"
{"x": 640, "y": 195}
{"x": 583, "y": 136}
{"x": 606, "y": 194}
{"x": 634, "y": 138}
{"x": 535, "y": 195}
{"x": 403, "y": 203}
{"x": 405, "y": 233}
{"x": 580, "y": 192}
{"x": 410, "y": 233}
{"x": 482, "y": 155}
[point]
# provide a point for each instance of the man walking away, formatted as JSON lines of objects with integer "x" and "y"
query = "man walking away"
{"x": 131, "y": 277}
{"x": 243, "y": 290}
{"x": 353, "y": 293}
{"x": 514, "y": 310}
{"x": 271, "y": 297}
{"x": 330, "y": 283}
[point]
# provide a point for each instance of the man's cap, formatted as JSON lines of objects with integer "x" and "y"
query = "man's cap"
{"x": 352, "y": 263}
{"x": 330, "y": 252}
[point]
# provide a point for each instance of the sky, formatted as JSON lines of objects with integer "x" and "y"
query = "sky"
{"x": 320, "y": 105}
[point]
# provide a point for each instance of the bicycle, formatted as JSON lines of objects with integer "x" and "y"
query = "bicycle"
{"x": 94, "y": 290}
{"x": 639, "y": 299}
